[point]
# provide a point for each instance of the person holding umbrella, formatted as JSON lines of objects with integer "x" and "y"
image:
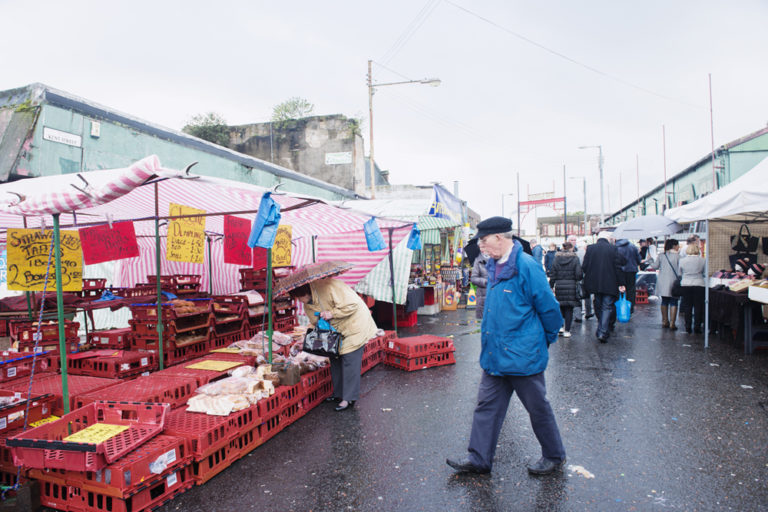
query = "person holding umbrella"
{"x": 334, "y": 301}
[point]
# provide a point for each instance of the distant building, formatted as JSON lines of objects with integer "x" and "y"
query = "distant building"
{"x": 44, "y": 131}
{"x": 732, "y": 160}
{"x": 552, "y": 227}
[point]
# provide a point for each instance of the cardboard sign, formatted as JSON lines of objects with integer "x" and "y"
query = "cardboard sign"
{"x": 236, "y": 232}
{"x": 96, "y": 433}
{"x": 214, "y": 366}
{"x": 281, "y": 250}
{"x": 186, "y": 237}
{"x": 104, "y": 243}
{"x": 28, "y": 251}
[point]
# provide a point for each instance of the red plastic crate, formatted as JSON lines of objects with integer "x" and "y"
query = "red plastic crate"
{"x": 111, "y": 364}
{"x": 284, "y": 323}
{"x": 111, "y": 338}
{"x": 227, "y": 356}
{"x": 312, "y": 380}
{"x": 268, "y": 407}
{"x": 24, "y": 331}
{"x": 247, "y": 439}
{"x": 14, "y": 365}
{"x": 418, "y": 363}
{"x": 201, "y": 376}
{"x": 12, "y": 415}
{"x": 206, "y": 433}
{"x": 174, "y": 390}
{"x": 127, "y": 476}
{"x": 317, "y": 395}
{"x": 43, "y": 447}
{"x": 419, "y": 346}
{"x": 177, "y": 355}
{"x": 51, "y": 383}
{"x": 270, "y": 427}
{"x": 370, "y": 361}
{"x": 211, "y": 465}
{"x": 225, "y": 340}
{"x": 59, "y": 495}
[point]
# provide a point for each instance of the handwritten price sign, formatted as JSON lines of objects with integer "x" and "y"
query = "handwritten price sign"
{"x": 186, "y": 237}
{"x": 236, "y": 232}
{"x": 105, "y": 243}
{"x": 281, "y": 250}
{"x": 28, "y": 251}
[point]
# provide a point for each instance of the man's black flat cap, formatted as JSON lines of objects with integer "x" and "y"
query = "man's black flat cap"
{"x": 493, "y": 225}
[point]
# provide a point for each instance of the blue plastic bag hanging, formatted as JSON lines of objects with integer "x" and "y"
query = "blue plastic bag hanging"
{"x": 265, "y": 224}
{"x": 623, "y": 309}
{"x": 373, "y": 236}
{"x": 414, "y": 239}
{"x": 323, "y": 324}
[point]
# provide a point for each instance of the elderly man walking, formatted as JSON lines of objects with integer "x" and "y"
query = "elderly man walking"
{"x": 603, "y": 277}
{"x": 522, "y": 318}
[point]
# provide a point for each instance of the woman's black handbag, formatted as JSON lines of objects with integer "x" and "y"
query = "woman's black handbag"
{"x": 322, "y": 342}
{"x": 744, "y": 241}
{"x": 580, "y": 293}
{"x": 677, "y": 288}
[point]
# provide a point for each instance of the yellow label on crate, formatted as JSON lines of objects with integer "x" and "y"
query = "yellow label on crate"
{"x": 227, "y": 350}
{"x": 214, "y": 366}
{"x": 43, "y": 421}
{"x": 96, "y": 433}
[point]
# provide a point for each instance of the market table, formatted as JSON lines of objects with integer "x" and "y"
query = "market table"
{"x": 734, "y": 309}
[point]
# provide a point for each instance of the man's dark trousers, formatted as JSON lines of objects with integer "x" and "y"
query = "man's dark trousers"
{"x": 629, "y": 282}
{"x": 604, "y": 308}
{"x": 492, "y": 402}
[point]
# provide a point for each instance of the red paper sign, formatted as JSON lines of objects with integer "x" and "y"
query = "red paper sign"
{"x": 104, "y": 243}
{"x": 236, "y": 232}
{"x": 259, "y": 258}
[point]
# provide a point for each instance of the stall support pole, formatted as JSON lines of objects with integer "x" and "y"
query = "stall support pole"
{"x": 392, "y": 281}
{"x": 28, "y": 294}
{"x": 158, "y": 272}
{"x": 706, "y": 288}
{"x": 210, "y": 266}
{"x": 60, "y": 313}
{"x": 269, "y": 302}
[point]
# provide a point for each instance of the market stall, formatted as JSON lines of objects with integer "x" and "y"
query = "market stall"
{"x": 736, "y": 220}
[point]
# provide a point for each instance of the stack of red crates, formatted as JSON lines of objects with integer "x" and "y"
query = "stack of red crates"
{"x": 111, "y": 338}
{"x": 111, "y": 364}
{"x": 372, "y": 353}
{"x": 51, "y": 383}
{"x": 186, "y": 335}
{"x": 181, "y": 285}
{"x": 14, "y": 365}
{"x": 419, "y": 352}
{"x": 92, "y": 288}
{"x": 171, "y": 389}
{"x": 24, "y": 332}
{"x": 230, "y": 319}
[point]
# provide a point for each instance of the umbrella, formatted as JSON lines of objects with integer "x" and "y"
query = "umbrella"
{"x": 309, "y": 273}
{"x": 646, "y": 226}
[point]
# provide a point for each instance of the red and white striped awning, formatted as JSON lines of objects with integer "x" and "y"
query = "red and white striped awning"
{"x": 123, "y": 194}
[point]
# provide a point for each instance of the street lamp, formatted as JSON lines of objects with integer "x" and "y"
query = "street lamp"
{"x": 600, "y": 165}
{"x": 584, "y": 180}
{"x": 502, "y": 202}
{"x": 434, "y": 82}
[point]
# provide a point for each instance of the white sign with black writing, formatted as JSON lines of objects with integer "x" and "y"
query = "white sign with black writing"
{"x": 70, "y": 139}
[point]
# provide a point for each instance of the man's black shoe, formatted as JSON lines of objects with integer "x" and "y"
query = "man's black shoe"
{"x": 577, "y": 319}
{"x": 465, "y": 466}
{"x": 602, "y": 339}
{"x": 545, "y": 466}
{"x": 589, "y": 315}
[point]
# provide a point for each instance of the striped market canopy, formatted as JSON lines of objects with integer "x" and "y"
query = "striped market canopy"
{"x": 129, "y": 195}
{"x": 310, "y": 273}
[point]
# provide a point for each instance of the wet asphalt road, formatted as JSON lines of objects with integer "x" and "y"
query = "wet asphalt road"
{"x": 661, "y": 422}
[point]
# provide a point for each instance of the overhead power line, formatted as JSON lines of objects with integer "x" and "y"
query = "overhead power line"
{"x": 410, "y": 30}
{"x": 570, "y": 59}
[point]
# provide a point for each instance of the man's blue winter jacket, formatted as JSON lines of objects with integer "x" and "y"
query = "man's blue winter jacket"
{"x": 521, "y": 317}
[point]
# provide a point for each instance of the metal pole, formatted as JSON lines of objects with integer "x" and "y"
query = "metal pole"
{"x": 602, "y": 200}
{"x": 158, "y": 274}
{"x": 210, "y": 265}
{"x": 712, "y": 135}
{"x": 706, "y": 288}
{"x": 28, "y": 294}
{"x": 584, "y": 183}
{"x": 637, "y": 175}
{"x": 370, "y": 137}
{"x": 565, "y": 208}
{"x": 392, "y": 281}
{"x": 664, "y": 149}
{"x": 518, "y": 204}
{"x": 269, "y": 302}
{"x": 60, "y": 313}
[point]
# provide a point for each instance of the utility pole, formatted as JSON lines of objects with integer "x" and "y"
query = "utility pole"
{"x": 518, "y": 204}
{"x": 664, "y": 149}
{"x": 565, "y": 208}
{"x": 370, "y": 126}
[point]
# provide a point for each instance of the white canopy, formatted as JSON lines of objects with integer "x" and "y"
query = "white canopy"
{"x": 745, "y": 198}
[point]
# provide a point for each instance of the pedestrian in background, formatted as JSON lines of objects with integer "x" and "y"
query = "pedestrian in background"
{"x": 629, "y": 270}
{"x": 521, "y": 320}
{"x": 586, "y": 308}
{"x": 603, "y": 277}
{"x": 537, "y": 251}
{"x": 667, "y": 264}
{"x": 549, "y": 257}
{"x": 692, "y": 274}
{"x": 564, "y": 278}
{"x": 480, "y": 280}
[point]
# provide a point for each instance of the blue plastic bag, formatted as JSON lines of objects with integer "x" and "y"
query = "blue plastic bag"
{"x": 265, "y": 224}
{"x": 323, "y": 324}
{"x": 414, "y": 239}
{"x": 623, "y": 309}
{"x": 373, "y": 236}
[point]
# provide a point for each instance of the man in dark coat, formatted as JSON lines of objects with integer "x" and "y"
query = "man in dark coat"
{"x": 603, "y": 277}
{"x": 629, "y": 270}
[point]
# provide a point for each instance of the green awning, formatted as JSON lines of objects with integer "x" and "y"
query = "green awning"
{"x": 428, "y": 222}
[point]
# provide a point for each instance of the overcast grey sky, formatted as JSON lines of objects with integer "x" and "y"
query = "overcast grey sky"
{"x": 524, "y": 83}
